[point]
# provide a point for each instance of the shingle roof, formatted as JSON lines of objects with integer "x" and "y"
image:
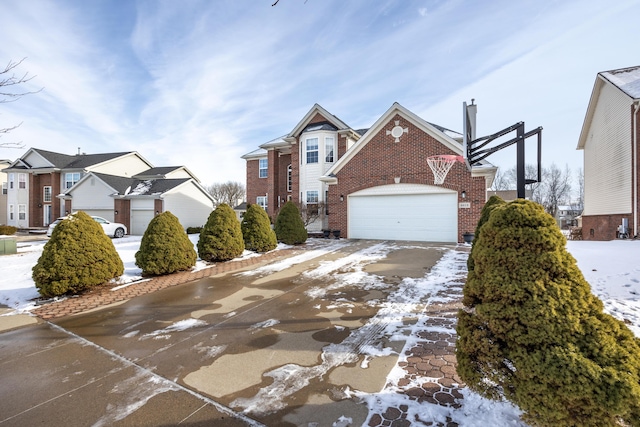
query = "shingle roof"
{"x": 158, "y": 172}
{"x": 64, "y": 161}
{"x": 155, "y": 186}
{"x": 118, "y": 183}
{"x": 626, "y": 79}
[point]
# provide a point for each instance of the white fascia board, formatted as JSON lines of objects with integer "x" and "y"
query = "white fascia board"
{"x": 312, "y": 112}
{"x": 591, "y": 108}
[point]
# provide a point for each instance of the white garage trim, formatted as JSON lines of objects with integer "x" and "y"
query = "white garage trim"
{"x": 404, "y": 212}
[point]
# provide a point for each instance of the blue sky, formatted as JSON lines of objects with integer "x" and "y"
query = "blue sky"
{"x": 199, "y": 83}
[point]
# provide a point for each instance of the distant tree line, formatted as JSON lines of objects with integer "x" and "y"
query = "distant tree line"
{"x": 231, "y": 192}
{"x": 558, "y": 187}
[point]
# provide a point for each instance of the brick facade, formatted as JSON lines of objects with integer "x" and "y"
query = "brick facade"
{"x": 382, "y": 160}
{"x": 378, "y": 163}
{"x": 36, "y": 197}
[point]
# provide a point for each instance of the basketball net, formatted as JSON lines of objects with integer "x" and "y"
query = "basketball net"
{"x": 441, "y": 164}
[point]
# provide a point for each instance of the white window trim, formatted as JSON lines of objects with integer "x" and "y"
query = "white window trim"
{"x": 289, "y": 178}
{"x": 12, "y": 178}
{"x": 46, "y": 199}
{"x": 22, "y": 212}
{"x": 317, "y": 196}
{"x": 262, "y": 205}
{"x": 329, "y": 140}
{"x": 261, "y": 168}
{"x": 22, "y": 181}
{"x": 11, "y": 212}
{"x": 72, "y": 180}
{"x": 316, "y": 151}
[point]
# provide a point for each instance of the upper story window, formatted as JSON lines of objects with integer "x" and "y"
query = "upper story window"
{"x": 312, "y": 150}
{"x": 289, "y": 178}
{"x": 263, "y": 166}
{"x": 46, "y": 197}
{"x": 329, "y": 147}
{"x": 22, "y": 180}
{"x": 12, "y": 178}
{"x": 262, "y": 202}
{"x": 70, "y": 179}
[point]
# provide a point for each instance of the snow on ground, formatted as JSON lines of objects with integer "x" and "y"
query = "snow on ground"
{"x": 611, "y": 268}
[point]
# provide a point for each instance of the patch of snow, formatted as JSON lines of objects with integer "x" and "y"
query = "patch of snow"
{"x": 178, "y": 326}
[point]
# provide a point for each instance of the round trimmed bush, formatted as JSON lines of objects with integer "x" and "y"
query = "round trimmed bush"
{"x": 221, "y": 237}
{"x": 536, "y": 335}
{"x": 256, "y": 230}
{"x": 165, "y": 247}
{"x": 78, "y": 256}
{"x": 289, "y": 226}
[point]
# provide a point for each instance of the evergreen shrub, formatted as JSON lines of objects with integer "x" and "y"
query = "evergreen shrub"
{"x": 78, "y": 256}
{"x": 165, "y": 247}
{"x": 256, "y": 230}
{"x": 7, "y": 230}
{"x": 536, "y": 335}
{"x": 289, "y": 226}
{"x": 221, "y": 237}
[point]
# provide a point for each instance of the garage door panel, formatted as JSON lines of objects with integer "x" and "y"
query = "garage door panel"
{"x": 140, "y": 219}
{"x": 420, "y": 217}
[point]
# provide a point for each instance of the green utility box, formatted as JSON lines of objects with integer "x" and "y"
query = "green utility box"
{"x": 8, "y": 245}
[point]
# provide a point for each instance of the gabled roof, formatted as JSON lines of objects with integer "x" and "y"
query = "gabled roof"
{"x": 162, "y": 172}
{"x": 81, "y": 161}
{"x": 317, "y": 109}
{"x": 627, "y": 80}
{"x": 154, "y": 187}
{"x": 255, "y": 154}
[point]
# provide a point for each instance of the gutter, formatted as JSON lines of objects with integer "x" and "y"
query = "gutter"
{"x": 635, "y": 167}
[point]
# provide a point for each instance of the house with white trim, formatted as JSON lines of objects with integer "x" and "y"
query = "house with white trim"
{"x": 370, "y": 183}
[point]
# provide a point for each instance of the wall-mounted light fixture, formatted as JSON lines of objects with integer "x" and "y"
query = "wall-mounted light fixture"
{"x": 66, "y": 212}
{"x": 157, "y": 212}
{"x": 397, "y": 179}
{"x": 115, "y": 212}
{"x": 463, "y": 194}
{"x": 341, "y": 198}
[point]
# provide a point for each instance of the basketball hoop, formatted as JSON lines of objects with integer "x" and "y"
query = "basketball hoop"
{"x": 440, "y": 166}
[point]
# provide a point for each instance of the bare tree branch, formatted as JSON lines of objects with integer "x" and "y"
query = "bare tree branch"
{"x": 9, "y": 83}
{"x": 229, "y": 192}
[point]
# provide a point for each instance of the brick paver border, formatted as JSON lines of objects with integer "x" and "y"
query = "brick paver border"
{"x": 105, "y": 295}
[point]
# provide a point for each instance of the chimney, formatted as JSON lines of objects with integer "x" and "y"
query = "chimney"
{"x": 472, "y": 111}
{"x": 78, "y": 151}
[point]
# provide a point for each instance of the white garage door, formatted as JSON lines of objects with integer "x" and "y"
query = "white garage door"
{"x": 106, "y": 214}
{"x": 430, "y": 217}
{"x": 140, "y": 219}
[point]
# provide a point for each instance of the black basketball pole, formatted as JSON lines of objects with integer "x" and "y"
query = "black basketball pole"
{"x": 520, "y": 163}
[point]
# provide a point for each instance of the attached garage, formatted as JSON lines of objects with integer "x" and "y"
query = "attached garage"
{"x": 404, "y": 212}
{"x": 140, "y": 219}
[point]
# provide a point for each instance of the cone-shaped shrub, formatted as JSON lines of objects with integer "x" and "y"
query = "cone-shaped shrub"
{"x": 256, "y": 230}
{"x": 78, "y": 256}
{"x": 221, "y": 237}
{"x": 537, "y": 335}
{"x": 165, "y": 247}
{"x": 289, "y": 225}
{"x": 492, "y": 203}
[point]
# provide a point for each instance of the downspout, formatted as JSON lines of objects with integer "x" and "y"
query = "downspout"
{"x": 635, "y": 168}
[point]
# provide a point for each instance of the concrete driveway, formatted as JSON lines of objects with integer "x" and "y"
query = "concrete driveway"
{"x": 283, "y": 343}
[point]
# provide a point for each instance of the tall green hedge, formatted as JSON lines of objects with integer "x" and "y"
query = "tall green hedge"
{"x": 165, "y": 247}
{"x": 78, "y": 256}
{"x": 221, "y": 237}
{"x": 289, "y": 226}
{"x": 256, "y": 230}
{"x": 535, "y": 334}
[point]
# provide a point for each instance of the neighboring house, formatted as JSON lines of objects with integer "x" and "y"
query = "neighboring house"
{"x": 121, "y": 187}
{"x": 4, "y": 184}
{"x": 610, "y": 139}
{"x": 373, "y": 183}
{"x": 567, "y": 215}
{"x": 508, "y": 195}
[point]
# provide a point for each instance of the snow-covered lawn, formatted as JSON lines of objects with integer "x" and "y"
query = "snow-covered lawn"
{"x": 611, "y": 268}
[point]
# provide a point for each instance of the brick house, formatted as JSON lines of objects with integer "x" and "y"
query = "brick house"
{"x": 122, "y": 187}
{"x": 370, "y": 183}
{"x": 610, "y": 140}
